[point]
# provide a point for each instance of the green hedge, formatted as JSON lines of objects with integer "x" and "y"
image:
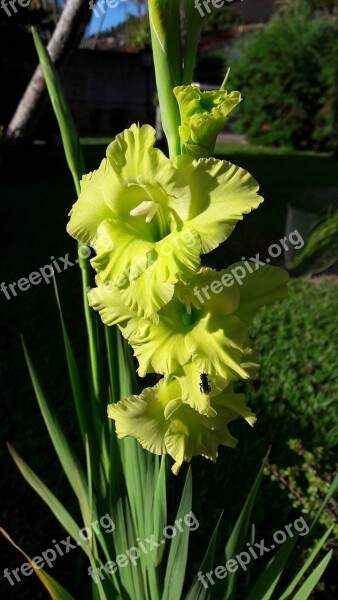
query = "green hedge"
{"x": 296, "y": 393}
{"x": 288, "y": 75}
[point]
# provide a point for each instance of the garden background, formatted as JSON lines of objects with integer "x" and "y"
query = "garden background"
{"x": 284, "y": 60}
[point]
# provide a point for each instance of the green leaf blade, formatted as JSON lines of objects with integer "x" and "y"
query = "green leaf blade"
{"x": 238, "y": 534}
{"x": 311, "y": 582}
{"x": 70, "y": 139}
{"x": 60, "y": 443}
{"x": 267, "y": 581}
{"x": 177, "y": 559}
{"x": 197, "y": 591}
{"x": 48, "y": 497}
{"x": 292, "y": 586}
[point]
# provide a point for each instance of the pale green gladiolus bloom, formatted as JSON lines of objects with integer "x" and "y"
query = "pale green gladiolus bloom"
{"x": 199, "y": 330}
{"x": 150, "y": 218}
{"x": 208, "y": 329}
{"x": 203, "y": 116}
{"x": 164, "y": 425}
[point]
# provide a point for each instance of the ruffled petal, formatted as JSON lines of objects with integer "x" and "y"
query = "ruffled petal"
{"x": 262, "y": 287}
{"x": 90, "y": 209}
{"x": 162, "y": 349}
{"x": 192, "y": 394}
{"x": 145, "y": 272}
{"x": 106, "y": 299}
{"x": 177, "y": 258}
{"x": 221, "y": 194}
{"x": 210, "y": 330}
{"x": 191, "y": 434}
{"x": 143, "y": 417}
{"x": 216, "y": 346}
{"x": 123, "y": 253}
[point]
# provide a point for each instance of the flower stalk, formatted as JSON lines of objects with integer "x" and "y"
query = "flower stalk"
{"x": 165, "y": 26}
{"x": 193, "y": 25}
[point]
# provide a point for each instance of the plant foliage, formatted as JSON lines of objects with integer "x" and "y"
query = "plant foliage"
{"x": 288, "y": 75}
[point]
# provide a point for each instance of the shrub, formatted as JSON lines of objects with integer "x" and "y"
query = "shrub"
{"x": 298, "y": 385}
{"x": 307, "y": 481}
{"x": 288, "y": 75}
{"x": 218, "y": 20}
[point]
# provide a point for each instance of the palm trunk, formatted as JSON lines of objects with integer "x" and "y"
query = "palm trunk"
{"x": 63, "y": 42}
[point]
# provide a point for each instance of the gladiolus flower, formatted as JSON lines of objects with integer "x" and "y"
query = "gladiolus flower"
{"x": 197, "y": 332}
{"x": 164, "y": 425}
{"x": 150, "y": 218}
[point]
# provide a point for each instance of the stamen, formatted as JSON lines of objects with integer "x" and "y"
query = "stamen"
{"x": 187, "y": 301}
{"x": 150, "y": 208}
{"x": 147, "y": 207}
{"x": 152, "y": 212}
{"x": 195, "y": 303}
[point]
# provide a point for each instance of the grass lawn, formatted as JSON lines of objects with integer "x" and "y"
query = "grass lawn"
{"x": 297, "y": 381}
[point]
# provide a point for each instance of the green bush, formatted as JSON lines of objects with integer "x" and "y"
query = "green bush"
{"x": 298, "y": 385}
{"x": 307, "y": 481}
{"x": 288, "y": 76}
{"x": 219, "y": 20}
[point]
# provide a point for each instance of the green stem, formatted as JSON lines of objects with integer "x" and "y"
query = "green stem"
{"x": 193, "y": 36}
{"x": 193, "y": 22}
{"x": 90, "y": 319}
{"x": 111, "y": 334}
{"x": 164, "y": 18}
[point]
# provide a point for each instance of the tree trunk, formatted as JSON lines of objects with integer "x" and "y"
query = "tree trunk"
{"x": 63, "y": 42}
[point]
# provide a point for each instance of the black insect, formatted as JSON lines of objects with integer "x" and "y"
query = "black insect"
{"x": 205, "y": 384}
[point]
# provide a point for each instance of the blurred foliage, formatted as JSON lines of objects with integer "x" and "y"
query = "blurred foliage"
{"x": 134, "y": 32}
{"x": 298, "y": 380}
{"x": 313, "y": 6}
{"x": 308, "y": 482}
{"x": 288, "y": 76}
{"x": 137, "y": 32}
{"x": 221, "y": 19}
{"x": 321, "y": 249}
